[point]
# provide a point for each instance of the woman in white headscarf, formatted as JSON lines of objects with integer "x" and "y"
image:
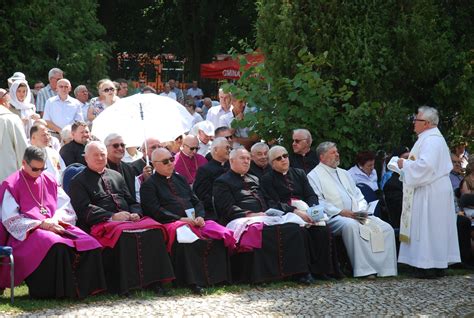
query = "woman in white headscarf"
{"x": 20, "y": 97}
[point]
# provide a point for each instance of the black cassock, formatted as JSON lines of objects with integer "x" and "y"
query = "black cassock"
{"x": 279, "y": 189}
{"x": 257, "y": 170}
{"x": 306, "y": 162}
{"x": 202, "y": 186}
{"x": 73, "y": 152}
{"x": 139, "y": 259}
{"x": 283, "y": 251}
{"x": 204, "y": 262}
{"x": 127, "y": 172}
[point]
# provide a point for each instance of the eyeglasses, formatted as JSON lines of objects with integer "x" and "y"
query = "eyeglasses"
{"x": 118, "y": 145}
{"x": 108, "y": 89}
{"x": 142, "y": 82}
{"x": 297, "y": 141}
{"x": 280, "y": 158}
{"x": 416, "y": 119}
{"x": 228, "y": 137}
{"x": 192, "y": 148}
{"x": 34, "y": 169}
{"x": 155, "y": 147}
{"x": 165, "y": 161}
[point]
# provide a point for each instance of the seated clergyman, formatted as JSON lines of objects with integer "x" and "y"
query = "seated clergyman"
{"x": 270, "y": 247}
{"x": 167, "y": 197}
{"x": 370, "y": 246}
{"x": 55, "y": 258}
{"x": 134, "y": 253}
{"x": 288, "y": 189}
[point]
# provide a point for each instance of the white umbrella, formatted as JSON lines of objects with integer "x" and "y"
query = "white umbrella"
{"x": 159, "y": 116}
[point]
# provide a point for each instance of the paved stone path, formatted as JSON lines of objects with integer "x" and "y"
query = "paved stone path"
{"x": 449, "y": 296}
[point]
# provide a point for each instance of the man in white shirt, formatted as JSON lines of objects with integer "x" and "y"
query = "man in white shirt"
{"x": 62, "y": 110}
{"x": 54, "y": 75}
{"x": 371, "y": 245}
{"x": 195, "y": 92}
{"x": 216, "y": 112}
{"x": 167, "y": 92}
{"x": 241, "y": 136}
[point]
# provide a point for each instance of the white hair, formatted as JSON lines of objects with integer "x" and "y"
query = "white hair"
{"x": 324, "y": 147}
{"x": 235, "y": 151}
{"x": 54, "y": 71}
{"x": 110, "y": 137}
{"x": 219, "y": 141}
{"x": 274, "y": 150}
{"x": 96, "y": 143}
{"x": 78, "y": 88}
{"x": 304, "y": 132}
{"x": 429, "y": 114}
{"x": 259, "y": 145}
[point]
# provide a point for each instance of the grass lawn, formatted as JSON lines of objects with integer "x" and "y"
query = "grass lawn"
{"x": 23, "y": 304}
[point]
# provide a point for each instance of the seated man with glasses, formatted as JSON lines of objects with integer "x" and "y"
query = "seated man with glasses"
{"x": 207, "y": 174}
{"x": 115, "y": 153}
{"x": 197, "y": 247}
{"x": 73, "y": 152}
{"x": 134, "y": 252}
{"x": 188, "y": 160}
{"x": 287, "y": 189}
{"x": 55, "y": 258}
{"x": 303, "y": 156}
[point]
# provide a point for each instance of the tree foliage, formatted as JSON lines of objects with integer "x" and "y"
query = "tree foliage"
{"x": 353, "y": 71}
{"x": 40, "y": 34}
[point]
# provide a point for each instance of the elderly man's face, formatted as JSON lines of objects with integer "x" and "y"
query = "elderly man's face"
{"x": 330, "y": 158}
{"x": 420, "y": 124}
{"x": 163, "y": 162}
{"x": 83, "y": 95}
{"x": 260, "y": 157}
{"x": 41, "y": 137}
{"x": 35, "y": 168}
{"x": 224, "y": 99}
{"x": 241, "y": 162}
{"x": 81, "y": 135}
{"x": 300, "y": 143}
{"x": 116, "y": 150}
{"x": 96, "y": 158}
{"x": 221, "y": 152}
{"x": 281, "y": 163}
{"x": 63, "y": 89}
{"x": 152, "y": 144}
{"x": 53, "y": 81}
{"x": 190, "y": 146}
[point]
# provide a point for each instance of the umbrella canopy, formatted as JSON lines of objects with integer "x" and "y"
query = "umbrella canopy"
{"x": 163, "y": 118}
{"x": 229, "y": 69}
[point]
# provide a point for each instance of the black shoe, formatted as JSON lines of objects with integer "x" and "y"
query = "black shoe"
{"x": 197, "y": 290}
{"x": 338, "y": 276}
{"x": 306, "y": 279}
{"x": 161, "y": 291}
{"x": 425, "y": 273}
{"x": 440, "y": 272}
{"x": 323, "y": 277}
{"x": 462, "y": 266}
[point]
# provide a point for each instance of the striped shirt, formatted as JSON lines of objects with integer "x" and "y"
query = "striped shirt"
{"x": 43, "y": 95}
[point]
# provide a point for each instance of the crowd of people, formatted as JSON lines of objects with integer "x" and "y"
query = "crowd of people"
{"x": 215, "y": 205}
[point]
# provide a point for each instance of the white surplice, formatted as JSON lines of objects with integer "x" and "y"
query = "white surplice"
{"x": 336, "y": 190}
{"x": 433, "y": 234}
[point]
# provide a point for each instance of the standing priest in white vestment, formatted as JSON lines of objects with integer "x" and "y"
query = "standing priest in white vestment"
{"x": 428, "y": 233}
{"x": 370, "y": 247}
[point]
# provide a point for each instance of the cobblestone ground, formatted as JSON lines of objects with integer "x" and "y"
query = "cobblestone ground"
{"x": 449, "y": 296}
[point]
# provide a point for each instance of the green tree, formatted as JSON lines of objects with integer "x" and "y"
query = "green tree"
{"x": 40, "y": 34}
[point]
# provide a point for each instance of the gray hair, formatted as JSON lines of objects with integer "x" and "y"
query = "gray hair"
{"x": 34, "y": 153}
{"x": 110, "y": 137}
{"x": 304, "y": 132}
{"x": 219, "y": 141}
{"x": 234, "y": 152}
{"x": 259, "y": 145}
{"x": 54, "y": 71}
{"x": 78, "y": 88}
{"x": 66, "y": 133}
{"x": 430, "y": 114}
{"x": 96, "y": 143}
{"x": 324, "y": 147}
{"x": 274, "y": 150}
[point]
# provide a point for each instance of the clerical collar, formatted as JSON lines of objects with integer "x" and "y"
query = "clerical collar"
{"x": 282, "y": 173}
{"x": 218, "y": 162}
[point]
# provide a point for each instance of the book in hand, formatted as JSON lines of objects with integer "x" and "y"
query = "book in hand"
{"x": 190, "y": 213}
{"x": 69, "y": 235}
{"x": 316, "y": 213}
{"x": 274, "y": 212}
{"x": 361, "y": 216}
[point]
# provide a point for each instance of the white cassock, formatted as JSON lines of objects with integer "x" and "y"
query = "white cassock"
{"x": 432, "y": 233}
{"x": 371, "y": 248}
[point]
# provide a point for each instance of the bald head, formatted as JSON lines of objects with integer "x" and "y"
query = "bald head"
{"x": 152, "y": 143}
{"x": 190, "y": 145}
{"x": 163, "y": 162}
{"x": 95, "y": 154}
